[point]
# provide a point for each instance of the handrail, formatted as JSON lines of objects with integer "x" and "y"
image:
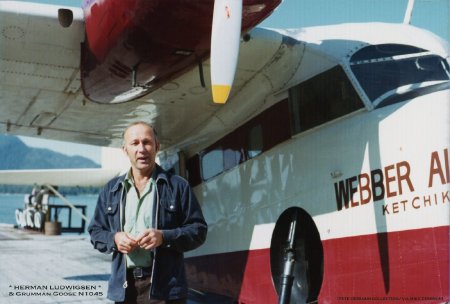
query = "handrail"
{"x": 67, "y": 202}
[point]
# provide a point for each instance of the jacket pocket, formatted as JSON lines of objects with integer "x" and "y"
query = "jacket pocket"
{"x": 170, "y": 213}
{"x": 111, "y": 208}
{"x": 112, "y": 212}
{"x": 170, "y": 205}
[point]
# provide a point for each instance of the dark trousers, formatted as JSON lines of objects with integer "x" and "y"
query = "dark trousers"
{"x": 138, "y": 291}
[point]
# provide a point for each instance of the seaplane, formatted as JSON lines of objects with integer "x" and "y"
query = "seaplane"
{"x": 320, "y": 155}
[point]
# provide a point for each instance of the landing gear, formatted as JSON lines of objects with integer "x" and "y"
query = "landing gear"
{"x": 287, "y": 277}
{"x": 296, "y": 257}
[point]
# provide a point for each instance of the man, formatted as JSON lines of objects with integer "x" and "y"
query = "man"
{"x": 147, "y": 218}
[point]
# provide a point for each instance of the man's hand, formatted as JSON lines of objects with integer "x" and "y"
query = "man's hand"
{"x": 150, "y": 238}
{"x": 125, "y": 242}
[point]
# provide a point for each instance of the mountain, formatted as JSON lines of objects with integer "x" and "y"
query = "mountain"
{"x": 14, "y": 154}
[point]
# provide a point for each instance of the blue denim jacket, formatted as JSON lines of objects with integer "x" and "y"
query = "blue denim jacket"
{"x": 175, "y": 211}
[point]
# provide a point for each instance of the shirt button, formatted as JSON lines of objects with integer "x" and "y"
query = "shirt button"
{"x": 109, "y": 208}
{"x": 171, "y": 207}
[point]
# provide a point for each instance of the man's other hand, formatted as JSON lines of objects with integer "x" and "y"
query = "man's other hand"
{"x": 125, "y": 242}
{"x": 150, "y": 238}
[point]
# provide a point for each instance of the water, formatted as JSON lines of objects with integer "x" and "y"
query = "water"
{"x": 10, "y": 202}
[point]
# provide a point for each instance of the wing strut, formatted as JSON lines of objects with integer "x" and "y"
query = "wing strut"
{"x": 408, "y": 13}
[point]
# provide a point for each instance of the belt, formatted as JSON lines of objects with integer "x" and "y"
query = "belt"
{"x": 140, "y": 272}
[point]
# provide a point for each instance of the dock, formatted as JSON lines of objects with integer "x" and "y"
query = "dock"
{"x": 38, "y": 268}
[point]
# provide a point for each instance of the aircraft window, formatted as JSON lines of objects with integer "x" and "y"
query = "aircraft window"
{"x": 255, "y": 141}
{"x": 212, "y": 163}
{"x": 384, "y": 50}
{"x": 193, "y": 170}
{"x": 387, "y": 70}
{"x": 231, "y": 158}
{"x": 259, "y": 134}
{"x": 322, "y": 98}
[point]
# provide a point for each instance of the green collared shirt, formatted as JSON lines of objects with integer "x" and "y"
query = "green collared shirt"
{"x": 138, "y": 217}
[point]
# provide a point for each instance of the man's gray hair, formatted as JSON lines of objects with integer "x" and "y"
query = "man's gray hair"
{"x": 140, "y": 123}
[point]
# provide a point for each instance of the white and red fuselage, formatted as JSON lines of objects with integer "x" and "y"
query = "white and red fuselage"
{"x": 375, "y": 181}
{"x": 394, "y": 246}
{"x": 349, "y": 125}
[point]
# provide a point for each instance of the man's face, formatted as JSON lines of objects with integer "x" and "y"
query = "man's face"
{"x": 141, "y": 147}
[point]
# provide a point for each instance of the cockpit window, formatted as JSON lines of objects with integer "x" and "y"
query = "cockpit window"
{"x": 384, "y": 50}
{"x": 389, "y": 70}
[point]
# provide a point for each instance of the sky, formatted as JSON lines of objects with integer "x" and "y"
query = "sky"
{"x": 429, "y": 14}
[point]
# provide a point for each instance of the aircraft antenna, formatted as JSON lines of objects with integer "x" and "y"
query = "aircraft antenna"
{"x": 408, "y": 13}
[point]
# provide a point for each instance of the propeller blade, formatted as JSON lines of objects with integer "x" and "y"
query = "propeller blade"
{"x": 225, "y": 39}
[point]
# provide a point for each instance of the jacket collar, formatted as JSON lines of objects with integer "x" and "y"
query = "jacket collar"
{"x": 161, "y": 175}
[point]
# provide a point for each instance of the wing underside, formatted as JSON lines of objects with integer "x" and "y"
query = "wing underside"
{"x": 41, "y": 94}
{"x": 60, "y": 177}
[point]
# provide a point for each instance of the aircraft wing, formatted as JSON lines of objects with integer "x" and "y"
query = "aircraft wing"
{"x": 41, "y": 94}
{"x": 60, "y": 177}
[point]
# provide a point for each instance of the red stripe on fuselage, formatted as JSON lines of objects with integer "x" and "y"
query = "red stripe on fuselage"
{"x": 418, "y": 267}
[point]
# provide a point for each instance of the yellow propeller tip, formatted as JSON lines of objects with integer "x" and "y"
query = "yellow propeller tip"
{"x": 220, "y": 93}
